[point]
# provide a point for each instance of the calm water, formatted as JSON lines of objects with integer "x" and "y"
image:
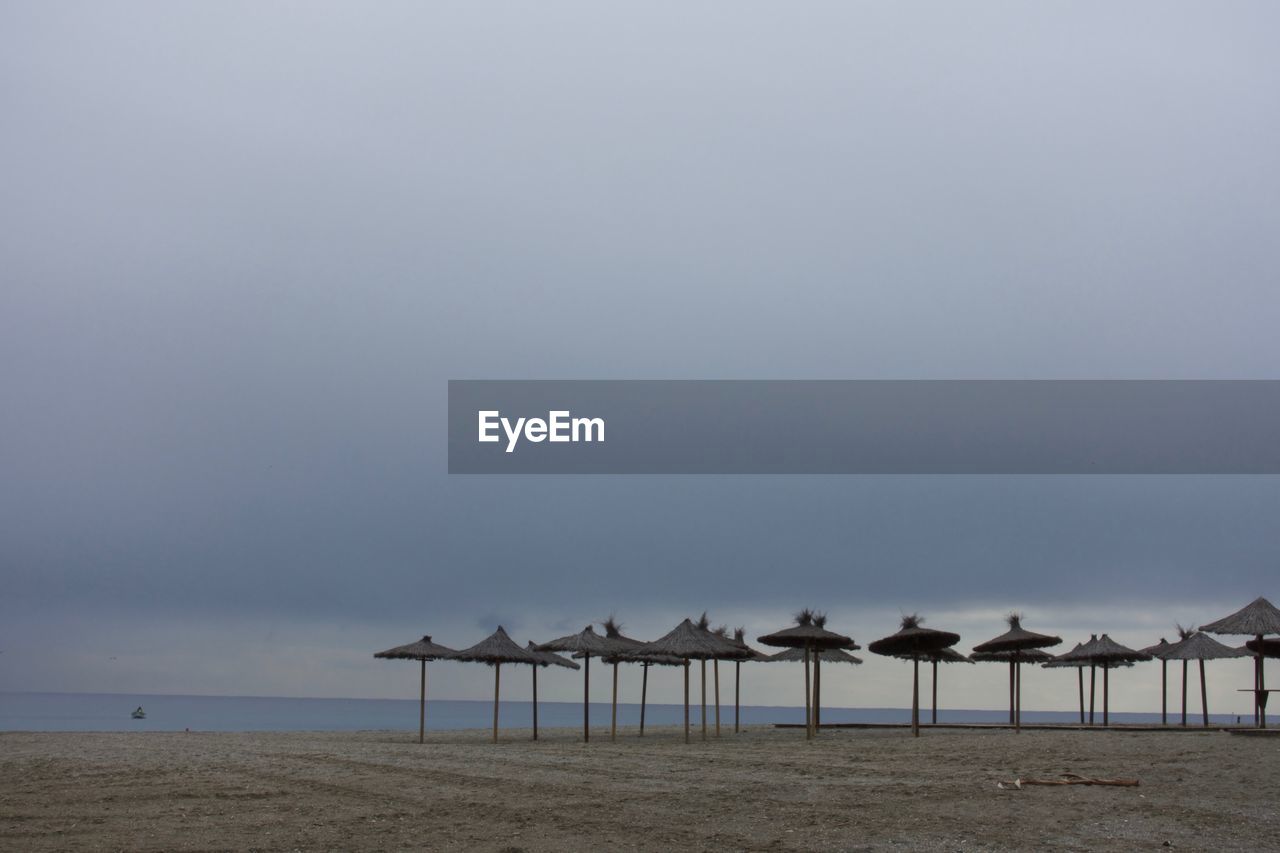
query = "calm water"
{"x": 110, "y": 712}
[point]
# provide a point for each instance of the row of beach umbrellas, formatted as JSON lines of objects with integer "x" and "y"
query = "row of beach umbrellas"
{"x": 810, "y": 642}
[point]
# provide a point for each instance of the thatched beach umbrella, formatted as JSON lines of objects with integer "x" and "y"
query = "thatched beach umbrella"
{"x": 1157, "y": 651}
{"x": 422, "y": 651}
{"x": 912, "y": 642}
{"x": 1106, "y": 653}
{"x": 545, "y": 659}
{"x": 585, "y": 644}
{"x": 688, "y": 642}
{"x": 739, "y": 640}
{"x": 1200, "y": 647}
{"x": 1015, "y": 641}
{"x": 495, "y": 650}
{"x": 1259, "y": 618}
{"x": 809, "y": 633}
{"x": 621, "y": 645}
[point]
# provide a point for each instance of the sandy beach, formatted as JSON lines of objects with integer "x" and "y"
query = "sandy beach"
{"x": 762, "y": 789}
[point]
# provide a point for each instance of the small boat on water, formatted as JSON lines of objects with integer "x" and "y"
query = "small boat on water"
{"x": 139, "y": 714}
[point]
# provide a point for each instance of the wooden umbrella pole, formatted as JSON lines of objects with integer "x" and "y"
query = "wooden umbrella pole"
{"x": 1080, "y": 680}
{"x": 934, "y": 716}
{"x": 1011, "y": 693}
{"x": 497, "y": 669}
{"x": 1106, "y": 695}
{"x": 737, "y": 694}
{"x": 1093, "y": 684}
{"x": 535, "y": 701}
{"x": 1204, "y": 696}
{"x": 817, "y": 691}
{"x": 1261, "y": 695}
{"x": 686, "y": 700}
{"x": 1164, "y": 692}
{"x": 1184, "y": 694}
{"x": 422, "y": 703}
{"x": 716, "y": 666}
{"x": 644, "y": 694}
{"x": 808, "y": 697}
{"x": 1017, "y": 690}
{"x": 703, "y": 669}
{"x": 613, "y": 721}
{"x": 586, "y": 694}
{"x": 915, "y": 696}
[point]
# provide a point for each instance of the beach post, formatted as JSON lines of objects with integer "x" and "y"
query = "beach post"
{"x": 817, "y": 691}
{"x": 703, "y": 669}
{"x": 934, "y": 717}
{"x": 1080, "y": 680}
{"x": 1018, "y": 715}
{"x": 1204, "y": 696}
{"x": 1164, "y": 692}
{"x": 737, "y": 694}
{"x": 1184, "y": 693}
{"x": 808, "y": 698}
{"x": 686, "y": 700}
{"x": 497, "y": 672}
{"x": 1011, "y": 691}
{"x": 715, "y": 665}
{"x": 535, "y": 702}
{"x": 422, "y": 703}
{"x": 613, "y": 722}
{"x": 1106, "y": 695}
{"x": 1093, "y": 686}
{"x": 644, "y": 692}
{"x": 915, "y": 695}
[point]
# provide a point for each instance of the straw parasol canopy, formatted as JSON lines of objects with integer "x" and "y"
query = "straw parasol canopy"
{"x": 795, "y": 655}
{"x": 688, "y": 642}
{"x": 1259, "y": 618}
{"x": 913, "y": 641}
{"x": 495, "y": 650}
{"x": 585, "y": 644}
{"x": 1106, "y": 653}
{"x": 422, "y": 651}
{"x": 1198, "y": 646}
{"x": 1015, "y": 643}
{"x": 809, "y": 633}
{"x": 545, "y": 659}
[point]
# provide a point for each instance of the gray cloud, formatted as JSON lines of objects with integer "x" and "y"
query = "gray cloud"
{"x": 245, "y": 246}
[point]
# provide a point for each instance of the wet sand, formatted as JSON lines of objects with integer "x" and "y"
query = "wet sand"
{"x": 763, "y": 789}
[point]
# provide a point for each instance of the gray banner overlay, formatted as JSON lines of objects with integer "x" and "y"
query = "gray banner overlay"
{"x": 868, "y": 427}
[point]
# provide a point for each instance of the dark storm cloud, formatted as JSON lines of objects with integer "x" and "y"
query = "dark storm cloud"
{"x": 245, "y": 246}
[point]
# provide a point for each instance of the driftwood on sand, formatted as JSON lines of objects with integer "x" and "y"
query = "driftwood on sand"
{"x": 1068, "y": 779}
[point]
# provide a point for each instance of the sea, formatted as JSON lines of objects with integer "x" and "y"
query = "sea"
{"x": 81, "y": 712}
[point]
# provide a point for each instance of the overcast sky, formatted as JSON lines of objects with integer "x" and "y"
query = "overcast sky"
{"x": 244, "y": 246}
